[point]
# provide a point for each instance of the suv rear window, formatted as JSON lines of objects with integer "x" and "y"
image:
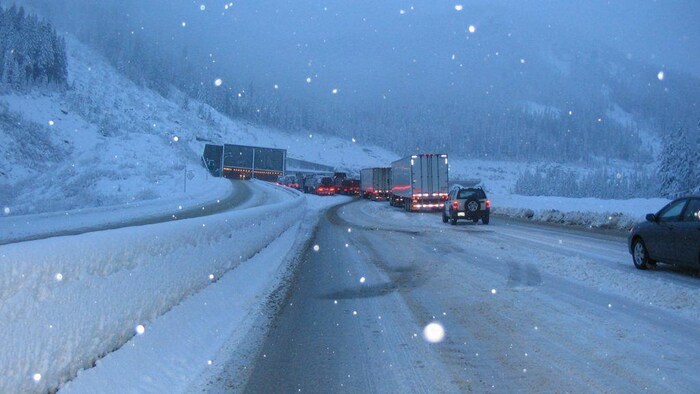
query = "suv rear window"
{"x": 467, "y": 193}
{"x": 326, "y": 181}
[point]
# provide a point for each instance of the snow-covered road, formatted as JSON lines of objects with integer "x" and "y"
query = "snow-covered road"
{"x": 67, "y": 301}
{"x": 221, "y": 197}
{"x": 525, "y": 308}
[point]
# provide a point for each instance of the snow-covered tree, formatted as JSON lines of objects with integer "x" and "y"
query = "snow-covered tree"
{"x": 31, "y": 53}
{"x": 679, "y": 162}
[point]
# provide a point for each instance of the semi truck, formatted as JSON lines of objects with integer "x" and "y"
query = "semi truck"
{"x": 245, "y": 162}
{"x": 420, "y": 182}
{"x": 375, "y": 183}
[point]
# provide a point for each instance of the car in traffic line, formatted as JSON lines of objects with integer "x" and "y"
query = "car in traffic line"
{"x": 320, "y": 185}
{"x": 469, "y": 203}
{"x": 670, "y": 236}
{"x": 350, "y": 187}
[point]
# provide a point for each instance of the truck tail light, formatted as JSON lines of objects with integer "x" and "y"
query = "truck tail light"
{"x": 488, "y": 204}
{"x": 455, "y": 205}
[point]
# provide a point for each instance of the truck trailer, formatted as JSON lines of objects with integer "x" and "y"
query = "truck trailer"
{"x": 375, "y": 183}
{"x": 245, "y": 162}
{"x": 420, "y": 182}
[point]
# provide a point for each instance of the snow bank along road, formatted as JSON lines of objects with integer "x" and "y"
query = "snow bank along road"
{"x": 524, "y": 309}
{"x": 221, "y": 197}
{"x": 65, "y": 302}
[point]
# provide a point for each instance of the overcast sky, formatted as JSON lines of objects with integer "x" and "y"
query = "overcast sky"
{"x": 380, "y": 47}
{"x": 356, "y": 42}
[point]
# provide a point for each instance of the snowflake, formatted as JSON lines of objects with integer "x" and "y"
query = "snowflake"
{"x": 140, "y": 329}
{"x": 218, "y": 82}
{"x": 36, "y": 377}
{"x": 316, "y": 248}
{"x": 661, "y": 75}
{"x": 434, "y": 332}
{"x": 459, "y": 7}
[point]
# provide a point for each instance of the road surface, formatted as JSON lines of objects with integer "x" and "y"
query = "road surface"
{"x": 240, "y": 197}
{"x": 525, "y": 308}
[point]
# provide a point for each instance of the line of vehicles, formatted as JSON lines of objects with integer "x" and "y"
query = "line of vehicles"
{"x": 421, "y": 183}
{"x": 415, "y": 183}
{"x": 322, "y": 184}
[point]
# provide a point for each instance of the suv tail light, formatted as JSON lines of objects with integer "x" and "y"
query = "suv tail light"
{"x": 488, "y": 204}
{"x": 455, "y": 205}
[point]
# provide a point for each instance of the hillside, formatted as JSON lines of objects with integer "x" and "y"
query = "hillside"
{"x": 106, "y": 141}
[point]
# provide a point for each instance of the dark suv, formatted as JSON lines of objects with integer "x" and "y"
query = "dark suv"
{"x": 468, "y": 203}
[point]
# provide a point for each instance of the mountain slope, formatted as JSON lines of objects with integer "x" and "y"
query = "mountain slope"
{"x": 106, "y": 141}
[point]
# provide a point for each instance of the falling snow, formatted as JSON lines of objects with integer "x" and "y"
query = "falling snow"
{"x": 434, "y": 332}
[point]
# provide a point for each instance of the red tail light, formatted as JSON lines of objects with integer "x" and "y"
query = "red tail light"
{"x": 455, "y": 205}
{"x": 488, "y": 204}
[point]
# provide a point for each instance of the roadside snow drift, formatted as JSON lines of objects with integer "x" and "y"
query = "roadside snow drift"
{"x": 65, "y": 302}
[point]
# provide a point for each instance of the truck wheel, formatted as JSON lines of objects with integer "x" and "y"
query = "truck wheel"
{"x": 485, "y": 220}
{"x": 444, "y": 217}
{"x": 407, "y": 205}
{"x": 453, "y": 221}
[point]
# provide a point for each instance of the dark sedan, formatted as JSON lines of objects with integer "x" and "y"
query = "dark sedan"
{"x": 671, "y": 236}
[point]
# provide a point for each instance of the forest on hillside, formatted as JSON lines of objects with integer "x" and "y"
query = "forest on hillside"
{"x": 31, "y": 53}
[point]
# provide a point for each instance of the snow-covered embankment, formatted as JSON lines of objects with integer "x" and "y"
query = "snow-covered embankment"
{"x": 66, "y": 302}
{"x": 584, "y": 212}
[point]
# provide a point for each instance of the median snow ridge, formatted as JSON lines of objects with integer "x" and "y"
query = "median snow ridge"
{"x": 584, "y": 212}
{"x": 65, "y": 302}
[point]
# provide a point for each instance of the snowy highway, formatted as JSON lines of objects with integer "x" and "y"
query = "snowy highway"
{"x": 36, "y": 227}
{"x": 525, "y": 308}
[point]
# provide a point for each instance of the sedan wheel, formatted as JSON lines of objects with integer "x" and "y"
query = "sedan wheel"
{"x": 640, "y": 256}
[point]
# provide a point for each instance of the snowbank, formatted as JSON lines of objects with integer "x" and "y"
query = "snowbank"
{"x": 190, "y": 345}
{"x": 65, "y": 302}
{"x": 587, "y": 212}
{"x": 25, "y": 226}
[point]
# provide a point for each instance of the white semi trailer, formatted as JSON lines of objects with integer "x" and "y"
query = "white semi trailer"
{"x": 420, "y": 182}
